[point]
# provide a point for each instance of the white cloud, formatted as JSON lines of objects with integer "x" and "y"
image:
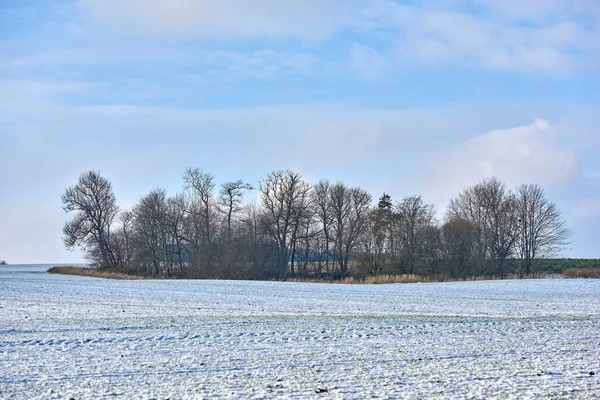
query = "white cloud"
{"x": 258, "y": 64}
{"x": 29, "y": 90}
{"x": 453, "y": 37}
{"x": 540, "y": 10}
{"x": 551, "y": 37}
{"x": 229, "y": 19}
{"x": 367, "y": 62}
{"x": 525, "y": 154}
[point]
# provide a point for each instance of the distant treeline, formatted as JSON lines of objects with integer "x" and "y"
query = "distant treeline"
{"x": 323, "y": 230}
{"x": 559, "y": 265}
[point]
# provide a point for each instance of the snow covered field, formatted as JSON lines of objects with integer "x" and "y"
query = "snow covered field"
{"x": 77, "y": 337}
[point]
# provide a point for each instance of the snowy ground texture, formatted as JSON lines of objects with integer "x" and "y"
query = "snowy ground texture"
{"x": 76, "y": 337}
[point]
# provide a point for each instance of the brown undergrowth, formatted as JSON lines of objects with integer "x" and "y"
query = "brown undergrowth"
{"x": 94, "y": 272}
{"x": 412, "y": 278}
{"x": 581, "y": 273}
{"x": 370, "y": 280}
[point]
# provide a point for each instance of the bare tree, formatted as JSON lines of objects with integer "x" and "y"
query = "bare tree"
{"x": 256, "y": 242}
{"x": 414, "y": 219}
{"x": 93, "y": 201}
{"x": 491, "y": 208}
{"x": 543, "y": 232}
{"x": 468, "y": 206}
{"x": 350, "y": 213}
{"x": 370, "y": 252}
{"x": 502, "y": 222}
{"x": 302, "y": 239}
{"x": 176, "y": 214}
{"x": 124, "y": 239}
{"x": 322, "y": 212}
{"x": 285, "y": 197}
{"x": 230, "y": 200}
{"x": 200, "y": 187}
{"x": 151, "y": 227}
{"x": 457, "y": 244}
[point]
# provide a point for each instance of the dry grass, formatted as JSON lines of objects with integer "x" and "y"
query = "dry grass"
{"x": 581, "y": 273}
{"x": 93, "y": 272}
{"x": 405, "y": 278}
{"x": 412, "y": 278}
{"x": 370, "y": 280}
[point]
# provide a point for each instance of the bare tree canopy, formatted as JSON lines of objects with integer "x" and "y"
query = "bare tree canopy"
{"x": 458, "y": 246}
{"x": 414, "y": 219}
{"x": 326, "y": 231}
{"x": 543, "y": 232}
{"x": 230, "y": 200}
{"x": 285, "y": 197}
{"x": 95, "y": 207}
{"x": 151, "y": 226}
{"x": 350, "y": 211}
{"x": 322, "y": 214}
{"x": 491, "y": 209}
{"x": 200, "y": 187}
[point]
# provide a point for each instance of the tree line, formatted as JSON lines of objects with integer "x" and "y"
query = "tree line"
{"x": 324, "y": 230}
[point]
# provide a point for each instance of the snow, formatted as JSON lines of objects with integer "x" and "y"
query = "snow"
{"x": 77, "y": 337}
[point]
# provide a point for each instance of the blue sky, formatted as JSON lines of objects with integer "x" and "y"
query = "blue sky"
{"x": 407, "y": 97}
